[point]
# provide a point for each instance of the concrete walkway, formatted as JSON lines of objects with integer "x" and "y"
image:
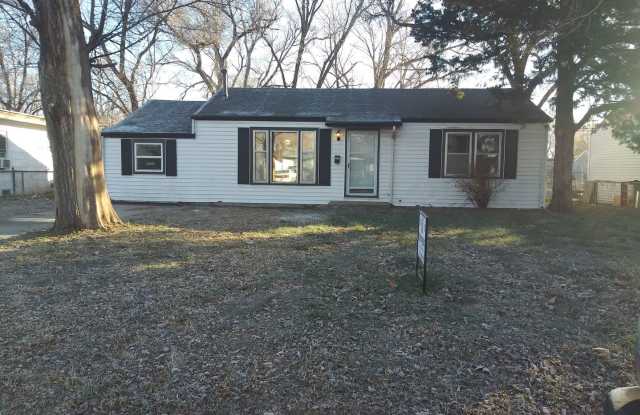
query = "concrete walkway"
{"x": 19, "y": 216}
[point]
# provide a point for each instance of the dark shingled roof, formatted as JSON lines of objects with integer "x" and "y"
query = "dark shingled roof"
{"x": 158, "y": 119}
{"x": 336, "y": 107}
{"x": 368, "y": 106}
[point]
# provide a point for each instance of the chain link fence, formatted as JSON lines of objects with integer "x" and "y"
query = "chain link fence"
{"x": 25, "y": 182}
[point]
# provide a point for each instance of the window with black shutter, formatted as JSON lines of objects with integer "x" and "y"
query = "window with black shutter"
{"x": 148, "y": 156}
{"x": 284, "y": 156}
{"x": 473, "y": 153}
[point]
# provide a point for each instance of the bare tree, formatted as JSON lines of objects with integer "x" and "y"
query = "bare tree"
{"x": 125, "y": 65}
{"x": 211, "y": 30}
{"x": 307, "y": 11}
{"x": 394, "y": 59}
{"x": 64, "y": 68}
{"x": 255, "y": 65}
{"x": 19, "y": 89}
{"x": 338, "y": 22}
{"x": 281, "y": 44}
{"x": 81, "y": 194}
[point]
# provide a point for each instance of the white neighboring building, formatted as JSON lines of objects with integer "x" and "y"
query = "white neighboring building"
{"x": 610, "y": 160}
{"x": 26, "y": 165}
{"x": 611, "y": 163}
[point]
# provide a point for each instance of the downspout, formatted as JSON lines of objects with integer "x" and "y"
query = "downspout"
{"x": 543, "y": 185}
{"x": 393, "y": 162}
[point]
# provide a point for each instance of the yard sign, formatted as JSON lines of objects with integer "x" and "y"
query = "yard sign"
{"x": 421, "y": 247}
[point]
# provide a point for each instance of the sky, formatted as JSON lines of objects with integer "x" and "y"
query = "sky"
{"x": 166, "y": 89}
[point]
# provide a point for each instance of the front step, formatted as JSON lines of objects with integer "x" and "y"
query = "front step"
{"x": 359, "y": 203}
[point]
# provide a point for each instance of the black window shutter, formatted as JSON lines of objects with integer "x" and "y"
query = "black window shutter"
{"x": 324, "y": 157}
{"x": 126, "y": 157}
{"x": 171, "y": 158}
{"x": 244, "y": 156}
{"x": 511, "y": 154}
{"x": 435, "y": 153}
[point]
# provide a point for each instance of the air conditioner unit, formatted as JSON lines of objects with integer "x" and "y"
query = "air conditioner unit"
{"x": 5, "y": 164}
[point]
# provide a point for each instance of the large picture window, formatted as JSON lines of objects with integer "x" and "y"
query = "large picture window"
{"x": 148, "y": 157}
{"x": 285, "y": 156}
{"x": 473, "y": 153}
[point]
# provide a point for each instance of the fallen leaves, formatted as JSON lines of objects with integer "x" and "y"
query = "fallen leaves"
{"x": 210, "y": 310}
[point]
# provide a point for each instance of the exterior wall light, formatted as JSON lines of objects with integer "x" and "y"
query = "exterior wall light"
{"x": 338, "y": 135}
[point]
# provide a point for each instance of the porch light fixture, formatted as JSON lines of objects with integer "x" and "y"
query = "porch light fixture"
{"x": 338, "y": 135}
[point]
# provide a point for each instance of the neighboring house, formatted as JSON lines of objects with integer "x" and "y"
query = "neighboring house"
{"x": 25, "y": 156}
{"x": 317, "y": 146}
{"x": 610, "y": 160}
{"x": 612, "y": 165}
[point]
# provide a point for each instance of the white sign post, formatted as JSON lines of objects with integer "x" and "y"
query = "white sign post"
{"x": 421, "y": 247}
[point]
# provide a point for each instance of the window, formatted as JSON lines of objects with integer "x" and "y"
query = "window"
{"x": 487, "y": 156}
{"x": 3, "y": 147}
{"x": 308, "y": 139}
{"x": 457, "y": 154}
{"x": 149, "y": 158}
{"x": 260, "y": 160}
{"x": 285, "y": 157}
{"x": 477, "y": 153}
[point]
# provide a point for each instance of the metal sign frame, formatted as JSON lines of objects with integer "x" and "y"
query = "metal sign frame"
{"x": 422, "y": 248}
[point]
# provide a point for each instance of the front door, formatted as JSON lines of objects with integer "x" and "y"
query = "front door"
{"x": 362, "y": 163}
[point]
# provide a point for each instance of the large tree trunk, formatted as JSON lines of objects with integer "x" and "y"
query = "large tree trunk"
{"x": 565, "y": 130}
{"x": 82, "y": 200}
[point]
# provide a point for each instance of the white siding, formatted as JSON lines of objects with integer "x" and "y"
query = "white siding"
{"x": 27, "y": 149}
{"x": 413, "y": 187}
{"x": 207, "y": 171}
{"x": 611, "y": 160}
{"x": 609, "y": 193}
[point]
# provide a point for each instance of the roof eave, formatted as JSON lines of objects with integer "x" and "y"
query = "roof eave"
{"x": 254, "y": 118}
{"x": 120, "y": 134}
{"x": 544, "y": 120}
{"x": 363, "y": 124}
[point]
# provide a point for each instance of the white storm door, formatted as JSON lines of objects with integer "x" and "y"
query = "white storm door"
{"x": 362, "y": 163}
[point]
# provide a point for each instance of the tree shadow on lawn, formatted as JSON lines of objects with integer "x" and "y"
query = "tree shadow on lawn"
{"x": 324, "y": 317}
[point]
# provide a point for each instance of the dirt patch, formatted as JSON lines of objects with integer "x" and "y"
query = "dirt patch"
{"x": 235, "y": 310}
{"x": 303, "y": 217}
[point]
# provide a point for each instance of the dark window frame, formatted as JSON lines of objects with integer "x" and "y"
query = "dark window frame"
{"x": 4, "y": 146}
{"x": 163, "y": 144}
{"x": 270, "y": 131}
{"x": 473, "y": 150}
{"x": 470, "y": 153}
{"x": 500, "y": 157}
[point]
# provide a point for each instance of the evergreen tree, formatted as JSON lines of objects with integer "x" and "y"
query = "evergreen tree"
{"x": 589, "y": 49}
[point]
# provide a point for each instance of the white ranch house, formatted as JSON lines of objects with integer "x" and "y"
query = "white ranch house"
{"x": 320, "y": 146}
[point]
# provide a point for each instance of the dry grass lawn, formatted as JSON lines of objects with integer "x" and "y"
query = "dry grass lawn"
{"x": 273, "y": 311}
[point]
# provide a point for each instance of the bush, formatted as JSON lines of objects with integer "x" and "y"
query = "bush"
{"x": 479, "y": 189}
